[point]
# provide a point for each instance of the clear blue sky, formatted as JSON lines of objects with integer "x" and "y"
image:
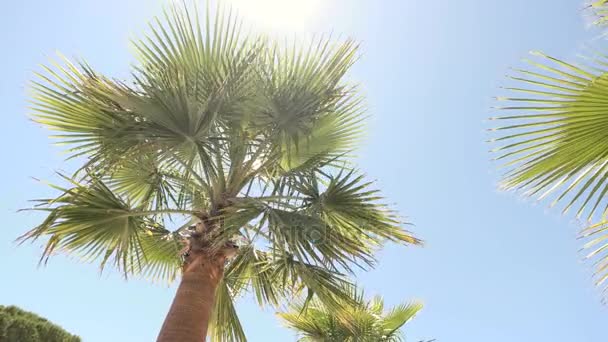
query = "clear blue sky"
{"x": 495, "y": 268}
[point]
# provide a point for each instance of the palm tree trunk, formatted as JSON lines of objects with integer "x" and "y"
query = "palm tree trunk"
{"x": 192, "y": 306}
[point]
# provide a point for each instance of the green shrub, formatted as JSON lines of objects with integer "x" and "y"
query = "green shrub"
{"x": 18, "y": 325}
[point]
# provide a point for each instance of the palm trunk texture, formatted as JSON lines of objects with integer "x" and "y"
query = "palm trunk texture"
{"x": 189, "y": 315}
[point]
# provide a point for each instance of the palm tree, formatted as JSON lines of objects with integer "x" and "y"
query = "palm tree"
{"x": 555, "y": 144}
{"x": 359, "y": 320}
{"x": 225, "y": 161}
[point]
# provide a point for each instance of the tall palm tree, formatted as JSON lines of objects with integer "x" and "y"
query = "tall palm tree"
{"x": 555, "y": 145}
{"x": 225, "y": 161}
{"x": 359, "y": 320}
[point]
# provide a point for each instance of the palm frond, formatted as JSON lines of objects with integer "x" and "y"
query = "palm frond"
{"x": 73, "y": 100}
{"x": 599, "y": 12}
{"x": 349, "y": 201}
{"x": 356, "y": 320}
{"x": 337, "y": 225}
{"x": 96, "y": 224}
{"x": 225, "y": 324}
{"x": 554, "y": 146}
{"x": 274, "y": 276}
{"x": 145, "y": 182}
{"x": 595, "y": 239}
{"x": 253, "y": 269}
{"x": 161, "y": 256}
{"x": 399, "y": 316}
{"x": 311, "y": 111}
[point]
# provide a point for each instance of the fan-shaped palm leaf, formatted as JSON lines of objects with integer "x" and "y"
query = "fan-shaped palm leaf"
{"x": 94, "y": 222}
{"x": 554, "y": 146}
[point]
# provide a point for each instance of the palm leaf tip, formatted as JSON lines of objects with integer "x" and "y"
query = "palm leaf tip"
{"x": 595, "y": 249}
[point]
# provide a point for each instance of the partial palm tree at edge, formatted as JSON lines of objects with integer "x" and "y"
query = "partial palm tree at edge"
{"x": 554, "y": 145}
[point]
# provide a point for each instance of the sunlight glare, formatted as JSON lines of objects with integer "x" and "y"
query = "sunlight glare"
{"x": 279, "y": 14}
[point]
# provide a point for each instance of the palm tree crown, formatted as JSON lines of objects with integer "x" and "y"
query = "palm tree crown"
{"x": 359, "y": 320}
{"x": 221, "y": 139}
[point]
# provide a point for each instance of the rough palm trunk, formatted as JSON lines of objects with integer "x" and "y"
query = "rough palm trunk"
{"x": 192, "y": 306}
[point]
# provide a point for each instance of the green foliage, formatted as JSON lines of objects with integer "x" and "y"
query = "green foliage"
{"x": 222, "y": 128}
{"x": 358, "y": 319}
{"x": 599, "y": 11}
{"x": 17, "y": 325}
{"x": 554, "y": 146}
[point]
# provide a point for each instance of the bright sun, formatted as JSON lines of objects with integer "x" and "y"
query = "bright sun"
{"x": 279, "y": 14}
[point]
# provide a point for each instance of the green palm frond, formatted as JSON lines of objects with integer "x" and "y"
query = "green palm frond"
{"x": 336, "y": 224}
{"x": 354, "y": 220}
{"x": 275, "y": 275}
{"x": 596, "y": 247}
{"x": 357, "y": 320}
{"x": 253, "y": 269}
{"x": 599, "y": 10}
{"x": 311, "y": 111}
{"x": 399, "y": 316}
{"x": 146, "y": 182}
{"x": 225, "y": 324}
{"x": 225, "y": 130}
{"x": 349, "y": 201}
{"x": 72, "y": 99}
{"x": 161, "y": 259}
{"x": 273, "y": 279}
{"x": 554, "y": 146}
{"x": 325, "y": 284}
{"x": 97, "y": 224}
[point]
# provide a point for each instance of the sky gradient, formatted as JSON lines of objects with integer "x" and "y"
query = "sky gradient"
{"x": 494, "y": 268}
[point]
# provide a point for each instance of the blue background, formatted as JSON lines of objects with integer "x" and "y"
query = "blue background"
{"x": 494, "y": 268}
